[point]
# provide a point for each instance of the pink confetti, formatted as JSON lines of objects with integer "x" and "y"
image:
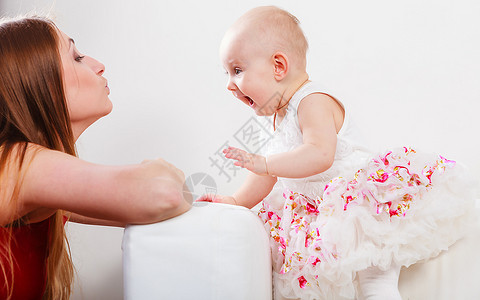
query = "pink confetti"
{"x": 302, "y": 281}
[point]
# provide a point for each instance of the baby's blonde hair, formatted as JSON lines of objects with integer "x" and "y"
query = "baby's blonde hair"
{"x": 276, "y": 30}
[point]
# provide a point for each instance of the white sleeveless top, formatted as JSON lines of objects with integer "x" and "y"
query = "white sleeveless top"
{"x": 349, "y": 156}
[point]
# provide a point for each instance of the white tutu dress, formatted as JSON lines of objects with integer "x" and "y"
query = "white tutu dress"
{"x": 398, "y": 207}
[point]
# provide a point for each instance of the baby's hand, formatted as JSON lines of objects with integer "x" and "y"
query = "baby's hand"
{"x": 217, "y": 199}
{"x": 252, "y": 162}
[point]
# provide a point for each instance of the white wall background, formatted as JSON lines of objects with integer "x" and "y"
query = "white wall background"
{"x": 410, "y": 71}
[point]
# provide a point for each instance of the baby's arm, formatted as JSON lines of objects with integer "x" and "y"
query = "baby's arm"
{"x": 253, "y": 190}
{"x": 319, "y": 117}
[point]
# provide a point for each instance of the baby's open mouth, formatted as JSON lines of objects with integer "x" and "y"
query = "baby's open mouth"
{"x": 249, "y": 100}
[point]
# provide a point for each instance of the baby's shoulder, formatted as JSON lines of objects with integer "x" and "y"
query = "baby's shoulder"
{"x": 321, "y": 110}
{"x": 314, "y": 90}
{"x": 320, "y": 103}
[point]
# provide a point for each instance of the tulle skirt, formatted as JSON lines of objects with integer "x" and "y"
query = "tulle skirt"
{"x": 401, "y": 207}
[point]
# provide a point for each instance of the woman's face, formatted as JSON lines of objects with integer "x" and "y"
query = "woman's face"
{"x": 86, "y": 90}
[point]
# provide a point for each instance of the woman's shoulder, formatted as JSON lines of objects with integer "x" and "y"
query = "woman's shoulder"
{"x": 17, "y": 160}
{"x": 18, "y": 156}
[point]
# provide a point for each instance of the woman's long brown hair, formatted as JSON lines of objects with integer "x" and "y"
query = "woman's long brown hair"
{"x": 33, "y": 110}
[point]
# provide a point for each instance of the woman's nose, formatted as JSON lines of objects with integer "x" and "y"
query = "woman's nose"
{"x": 97, "y": 66}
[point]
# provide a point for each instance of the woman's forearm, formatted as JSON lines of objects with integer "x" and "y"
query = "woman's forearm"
{"x": 76, "y": 218}
{"x": 135, "y": 194}
{"x": 154, "y": 195}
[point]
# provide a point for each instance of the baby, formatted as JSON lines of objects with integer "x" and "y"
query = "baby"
{"x": 333, "y": 210}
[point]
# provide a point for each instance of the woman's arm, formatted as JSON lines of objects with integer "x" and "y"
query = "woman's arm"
{"x": 76, "y": 218}
{"x": 320, "y": 117}
{"x": 135, "y": 194}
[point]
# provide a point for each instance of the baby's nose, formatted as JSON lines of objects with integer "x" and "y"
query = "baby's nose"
{"x": 231, "y": 85}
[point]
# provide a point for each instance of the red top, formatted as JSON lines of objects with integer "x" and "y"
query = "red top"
{"x": 30, "y": 250}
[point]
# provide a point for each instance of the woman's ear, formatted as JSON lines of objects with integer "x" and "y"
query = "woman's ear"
{"x": 280, "y": 65}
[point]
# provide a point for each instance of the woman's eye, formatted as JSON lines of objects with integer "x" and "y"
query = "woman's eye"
{"x": 237, "y": 71}
{"x": 79, "y": 58}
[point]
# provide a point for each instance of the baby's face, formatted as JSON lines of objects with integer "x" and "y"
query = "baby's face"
{"x": 250, "y": 73}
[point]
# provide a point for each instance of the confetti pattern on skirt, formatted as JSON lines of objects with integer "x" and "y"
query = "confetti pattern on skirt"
{"x": 401, "y": 207}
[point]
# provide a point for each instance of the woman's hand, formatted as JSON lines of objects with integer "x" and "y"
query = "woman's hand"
{"x": 161, "y": 168}
{"x": 217, "y": 199}
{"x": 252, "y": 162}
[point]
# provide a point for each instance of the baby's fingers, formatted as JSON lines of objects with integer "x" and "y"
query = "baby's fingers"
{"x": 235, "y": 153}
{"x": 206, "y": 198}
{"x": 239, "y": 164}
{"x": 230, "y": 151}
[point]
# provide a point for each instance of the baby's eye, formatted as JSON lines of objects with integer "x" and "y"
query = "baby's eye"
{"x": 237, "y": 71}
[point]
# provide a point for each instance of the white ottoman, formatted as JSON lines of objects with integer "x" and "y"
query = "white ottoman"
{"x": 214, "y": 251}
{"x": 454, "y": 274}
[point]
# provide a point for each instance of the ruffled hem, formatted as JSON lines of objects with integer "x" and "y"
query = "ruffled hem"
{"x": 402, "y": 207}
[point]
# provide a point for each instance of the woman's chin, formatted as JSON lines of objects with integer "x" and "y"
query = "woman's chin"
{"x": 108, "y": 108}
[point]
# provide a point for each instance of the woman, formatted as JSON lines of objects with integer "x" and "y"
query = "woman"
{"x": 49, "y": 94}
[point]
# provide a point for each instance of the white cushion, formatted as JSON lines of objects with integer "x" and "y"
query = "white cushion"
{"x": 214, "y": 251}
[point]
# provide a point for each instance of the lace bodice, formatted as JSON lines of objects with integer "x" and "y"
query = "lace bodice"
{"x": 350, "y": 152}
